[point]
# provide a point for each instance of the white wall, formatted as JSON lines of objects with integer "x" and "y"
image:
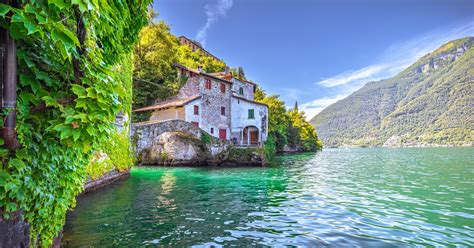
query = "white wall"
{"x": 189, "y": 111}
{"x": 240, "y": 120}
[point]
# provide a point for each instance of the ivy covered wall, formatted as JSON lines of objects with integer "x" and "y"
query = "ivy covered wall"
{"x": 73, "y": 81}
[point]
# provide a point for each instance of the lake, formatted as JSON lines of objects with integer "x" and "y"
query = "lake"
{"x": 337, "y": 197}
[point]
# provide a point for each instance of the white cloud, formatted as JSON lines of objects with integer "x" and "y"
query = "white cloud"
{"x": 315, "y": 106}
{"x": 351, "y": 76}
{"x": 396, "y": 58}
{"x": 213, "y": 13}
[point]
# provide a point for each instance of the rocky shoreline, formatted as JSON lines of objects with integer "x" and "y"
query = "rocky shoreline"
{"x": 179, "y": 143}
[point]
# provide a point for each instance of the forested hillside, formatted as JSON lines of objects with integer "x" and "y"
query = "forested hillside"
{"x": 429, "y": 103}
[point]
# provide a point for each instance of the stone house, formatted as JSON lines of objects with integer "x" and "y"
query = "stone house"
{"x": 219, "y": 104}
{"x": 194, "y": 45}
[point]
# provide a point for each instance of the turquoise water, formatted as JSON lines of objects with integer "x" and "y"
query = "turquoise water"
{"x": 337, "y": 197}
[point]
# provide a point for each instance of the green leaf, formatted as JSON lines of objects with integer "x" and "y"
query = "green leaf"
{"x": 61, "y": 127}
{"x": 11, "y": 207}
{"x": 4, "y": 9}
{"x": 82, "y": 5}
{"x": 65, "y": 134}
{"x": 79, "y": 90}
{"x": 81, "y": 116}
{"x": 4, "y": 177}
{"x": 59, "y": 3}
{"x": 18, "y": 164}
{"x": 26, "y": 80}
{"x": 63, "y": 34}
{"x": 50, "y": 101}
{"x": 76, "y": 134}
{"x": 27, "y": 22}
{"x": 11, "y": 186}
{"x": 29, "y": 8}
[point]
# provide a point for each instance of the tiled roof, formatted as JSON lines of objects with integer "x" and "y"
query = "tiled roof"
{"x": 229, "y": 76}
{"x": 212, "y": 75}
{"x": 167, "y": 104}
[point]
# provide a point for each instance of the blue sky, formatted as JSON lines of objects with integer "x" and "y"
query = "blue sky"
{"x": 317, "y": 52}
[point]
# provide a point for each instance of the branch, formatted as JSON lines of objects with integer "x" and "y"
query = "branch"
{"x": 81, "y": 35}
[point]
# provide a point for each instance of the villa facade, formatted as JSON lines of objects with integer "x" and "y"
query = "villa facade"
{"x": 219, "y": 104}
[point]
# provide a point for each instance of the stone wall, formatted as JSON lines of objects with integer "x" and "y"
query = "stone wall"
{"x": 14, "y": 232}
{"x": 190, "y": 89}
{"x": 247, "y": 89}
{"x": 179, "y": 143}
{"x": 143, "y": 134}
{"x": 212, "y": 101}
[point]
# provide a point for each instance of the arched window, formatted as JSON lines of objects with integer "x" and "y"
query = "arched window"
{"x": 241, "y": 91}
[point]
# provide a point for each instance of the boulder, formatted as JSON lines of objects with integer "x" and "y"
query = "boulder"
{"x": 175, "y": 148}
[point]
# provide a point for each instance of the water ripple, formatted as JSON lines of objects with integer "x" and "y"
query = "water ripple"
{"x": 338, "y": 197}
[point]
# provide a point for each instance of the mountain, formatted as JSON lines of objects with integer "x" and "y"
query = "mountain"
{"x": 429, "y": 103}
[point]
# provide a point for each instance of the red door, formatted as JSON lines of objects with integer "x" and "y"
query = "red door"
{"x": 254, "y": 137}
{"x": 222, "y": 134}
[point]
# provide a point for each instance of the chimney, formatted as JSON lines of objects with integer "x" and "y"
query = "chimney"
{"x": 226, "y": 70}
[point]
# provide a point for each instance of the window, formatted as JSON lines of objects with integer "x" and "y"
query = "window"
{"x": 222, "y": 88}
{"x": 222, "y": 110}
{"x": 196, "y": 109}
{"x": 195, "y": 124}
{"x": 241, "y": 91}
{"x": 208, "y": 84}
{"x": 212, "y": 130}
{"x": 251, "y": 114}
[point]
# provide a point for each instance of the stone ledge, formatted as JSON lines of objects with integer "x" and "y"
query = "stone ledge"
{"x": 107, "y": 179}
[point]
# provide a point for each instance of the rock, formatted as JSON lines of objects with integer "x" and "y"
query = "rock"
{"x": 175, "y": 148}
{"x": 183, "y": 149}
{"x": 393, "y": 141}
{"x": 290, "y": 149}
{"x": 14, "y": 232}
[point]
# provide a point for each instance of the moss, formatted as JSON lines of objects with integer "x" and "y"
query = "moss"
{"x": 206, "y": 138}
{"x": 119, "y": 156}
{"x": 243, "y": 154}
{"x": 164, "y": 156}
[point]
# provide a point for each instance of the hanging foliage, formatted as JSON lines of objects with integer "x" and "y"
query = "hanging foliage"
{"x": 71, "y": 86}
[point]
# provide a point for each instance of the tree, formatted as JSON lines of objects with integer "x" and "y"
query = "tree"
{"x": 287, "y": 127}
{"x": 302, "y": 134}
{"x": 154, "y": 75}
{"x": 239, "y": 73}
{"x": 278, "y": 119}
{"x": 188, "y": 58}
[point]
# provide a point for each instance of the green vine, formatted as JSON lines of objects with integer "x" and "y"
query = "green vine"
{"x": 72, "y": 83}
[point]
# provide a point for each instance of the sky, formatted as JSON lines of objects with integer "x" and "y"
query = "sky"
{"x": 317, "y": 52}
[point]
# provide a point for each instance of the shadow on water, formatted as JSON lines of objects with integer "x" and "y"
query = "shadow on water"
{"x": 368, "y": 197}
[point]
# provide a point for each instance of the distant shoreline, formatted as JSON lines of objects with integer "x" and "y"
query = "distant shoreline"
{"x": 420, "y": 146}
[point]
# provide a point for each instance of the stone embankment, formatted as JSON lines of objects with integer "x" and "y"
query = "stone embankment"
{"x": 179, "y": 143}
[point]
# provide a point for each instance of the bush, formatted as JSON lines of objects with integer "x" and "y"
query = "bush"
{"x": 269, "y": 148}
{"x": 115, "y": 154}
